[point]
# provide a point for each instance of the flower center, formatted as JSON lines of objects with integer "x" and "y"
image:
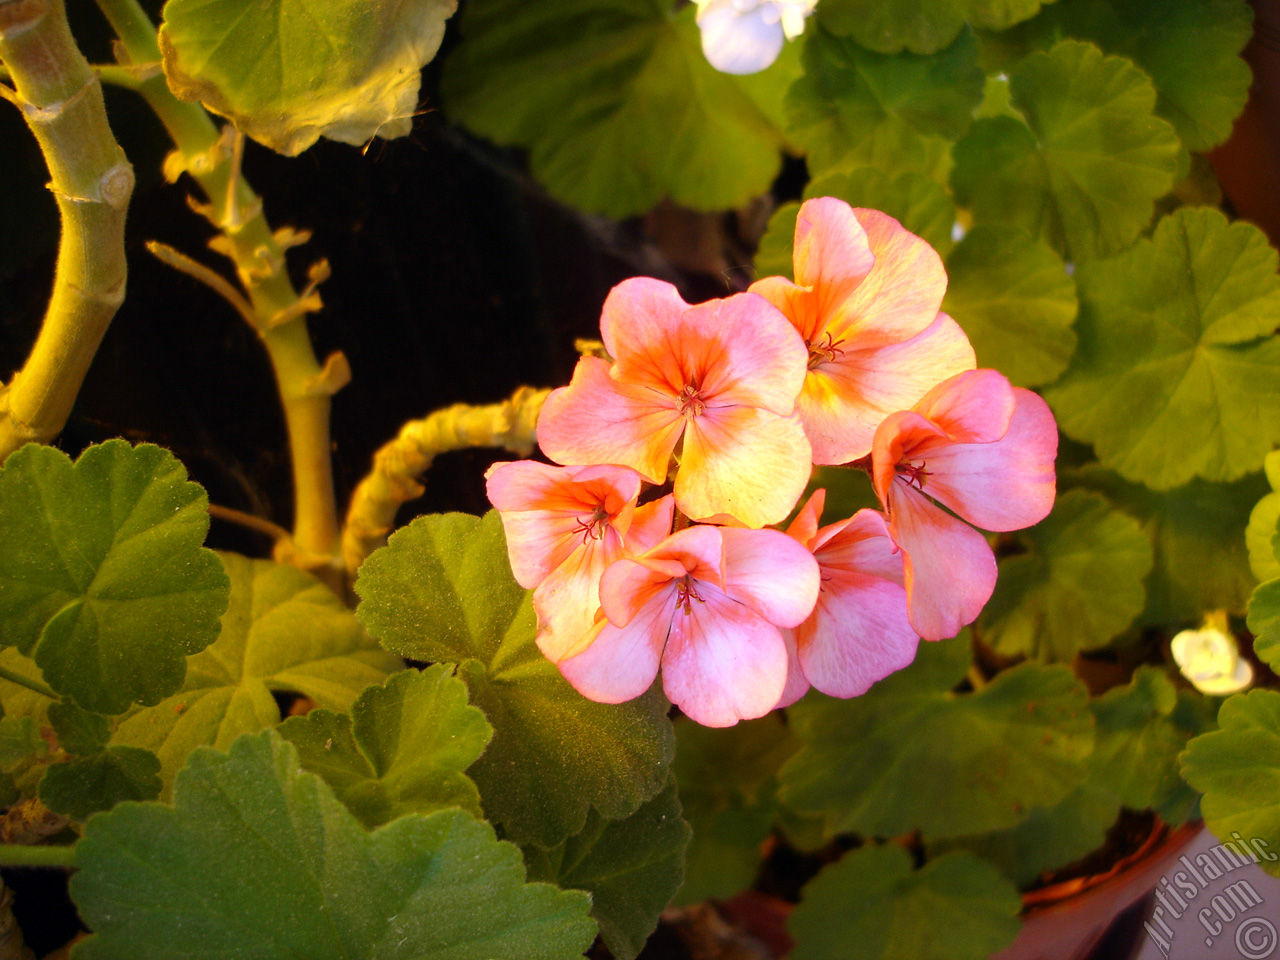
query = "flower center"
{"x": 914, "y": 472}
{"x": 594, "y": 525}
{"x": 685, "y": 592}
{"x": 824, "y": 350}
{"x": 689, "y": 401}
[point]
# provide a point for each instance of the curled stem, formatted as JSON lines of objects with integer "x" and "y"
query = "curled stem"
{"x": 398, "y": 464}
{"x": 61, "y": 101}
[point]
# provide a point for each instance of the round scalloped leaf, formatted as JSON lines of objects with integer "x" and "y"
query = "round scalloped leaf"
{"x": 1178, "y": 370}
{"x": 1085, "y": 169}
{"x": 616, "y": 103}
{"x": 1264, "y": 623}
{"x": 915, "y": 200}
{"x": 284, "y": 632}
{"x": 88, "y": 784}
{"x": 956, "y": 907}
{"x": 1237, "y": 768}
{"x": 403, "y": 749}
{"x": 630, "y": 867}
{"x": 342, "y": 69}
{"x": 1079, "y": 584}
{"x": 1163, "y": 38}
{"x": 1012, "y": 295}
{"x": 897, "y": 111}
{"x": 103, "y": 579}
{"x": 1200, "y": 558}
{"x": 442, "y": 590}
{"x": 878, "y": 764}
{"x": 921, "y": 26}
{"x": 256, "y": 857}
{"x": 79, "y": 732}
{"x": 1263, "y": 519}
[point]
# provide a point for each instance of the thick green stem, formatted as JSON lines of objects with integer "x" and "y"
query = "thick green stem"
{"x": 21, "y": 855}
{"x": 61, "y": 101}
{"x": 305, "y": 386}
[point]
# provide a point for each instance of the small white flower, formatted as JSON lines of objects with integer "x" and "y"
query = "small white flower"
{"x": 1210, "y": 658}
{"x": 745, "y": 36}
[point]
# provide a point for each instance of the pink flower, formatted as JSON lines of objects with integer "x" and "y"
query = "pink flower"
{"x": 858, "y": 632}
{"x": 706, "y": 604}
{"x": 722, "y": 377}
{"x": 984, "y": 450}
{"x": 866, "y": 301}
{"x": 564, "y": 525}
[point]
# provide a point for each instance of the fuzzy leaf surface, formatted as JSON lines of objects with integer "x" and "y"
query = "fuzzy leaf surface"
{"x": 103, "y": 579}
{"x": 921, "y": 26}
{"x": 286, "y": 76}
{"x": 284, "y": 631}
{"x": 404, "y": 749}
{"x": 442, "y": 590}
{"x": 99, "y": 781}
{"x": 257, "y": 857}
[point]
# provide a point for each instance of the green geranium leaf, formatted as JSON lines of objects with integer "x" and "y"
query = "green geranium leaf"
{"x": 86, "y": 785}
{"x": 20, "y": 740}
{"x": 257, "y": 857}
{"x": 616, "y": 103}
{"x": 403, "y": 749}
{"x": 442, "y": 590}
{"x": 879, "y": 764}
{"x": 1237, "y": 768}
{"x": 341, "y": 69}
{"x": 631, "y": 868}
{"x": 1264, "y": 623}
{"x": 285, "y": 632}
{"x": 103, "y": 579}
{"x": 1079, "y": 584}
{"x": 1200, "y": 558}
{"x": 1178, "y": 371}
{"x": 1085, "y": 169}
{"x": 955, "y": 908}
{"x": 1260, "y": 532}
{"x": 1050, "y": 837}
{"x": 79, "y": 732}
{"x": 1163, "y": 38}
{"x": 728, "y": 783}
{"x": 856, "y": 107}
{"x": 921, "y": 26}
{"x": 1011, "y": 294}
{"x": 773, "y": 255}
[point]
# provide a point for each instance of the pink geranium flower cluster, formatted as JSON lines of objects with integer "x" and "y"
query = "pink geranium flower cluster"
{"x": 732, "y": 402}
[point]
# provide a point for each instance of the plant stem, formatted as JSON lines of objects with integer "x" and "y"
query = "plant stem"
{"x": 36, "y": 685}
{"x": 21, "y": 855}
{"x": 304, "y": 385}
{"x": 61, "y": 100}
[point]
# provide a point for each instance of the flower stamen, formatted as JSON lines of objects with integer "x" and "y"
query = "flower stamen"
{"x": 685, "y": 592}
{"x": 594, "y": 526}
{"x": 825, "y": 350}
{"x": 690, "y": 401}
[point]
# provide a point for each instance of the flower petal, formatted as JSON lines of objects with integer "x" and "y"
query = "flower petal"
{"x": 860, "y": 544}
{"x": 745, "y": 462}
{"x": 771, "y": 573}
{"x": 597, "y": 420}
{"x": 628, "y": 583}
{"x": 797, "y": 684}
{"x": 971, "y": 407}
{"x": 636, "y": 323}
{"x": 723, "y": 663}
{"x": 622, "y": 662}
{"x": 831, "y": 253}
{"x": 568, "y": 600}
{"x": 650, "y": 525}
{"x": 903, "y": 434}
{"x": 1005, "y": 485}
{"x": 846, "y": 398}
{"x": 805, "y": 525}
{"x": 949, "y": 570}
{"x": 739, "y": 42}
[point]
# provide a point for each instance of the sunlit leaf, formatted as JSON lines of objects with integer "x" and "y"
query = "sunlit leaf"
{"x": 1079, "y": 584}
{"x": 955, "y": 908}
{"x": 103, "y": 579}
{"x": 1237, "y": 768}
{"x": 1085, "y": 169}
{"x": 631, "y": 867}
{"x": 402, "y": 750}
{"x": 284, "y": 631}
{"x": 1263, "y": 519}
{"x": 1264, "y": 622}
{"x": 342, "y": 69}
{"x": 256, "y": 857}
{"x": 1178, "y": 370}
{"x": 1011, "y": 294}
{"x": 909, "y": 754}
{"x": 99, "y": 781}
{"x": 442, "y": 590}
{"x": 616, "y": 103}
{"x": 897, "y": 111}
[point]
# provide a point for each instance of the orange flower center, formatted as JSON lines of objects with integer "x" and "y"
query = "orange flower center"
{"x": 824, "y": 350}
{"x": 689, "y": 401}
{"x": 593, "y": 526}
{"x": 914, "y": 472}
